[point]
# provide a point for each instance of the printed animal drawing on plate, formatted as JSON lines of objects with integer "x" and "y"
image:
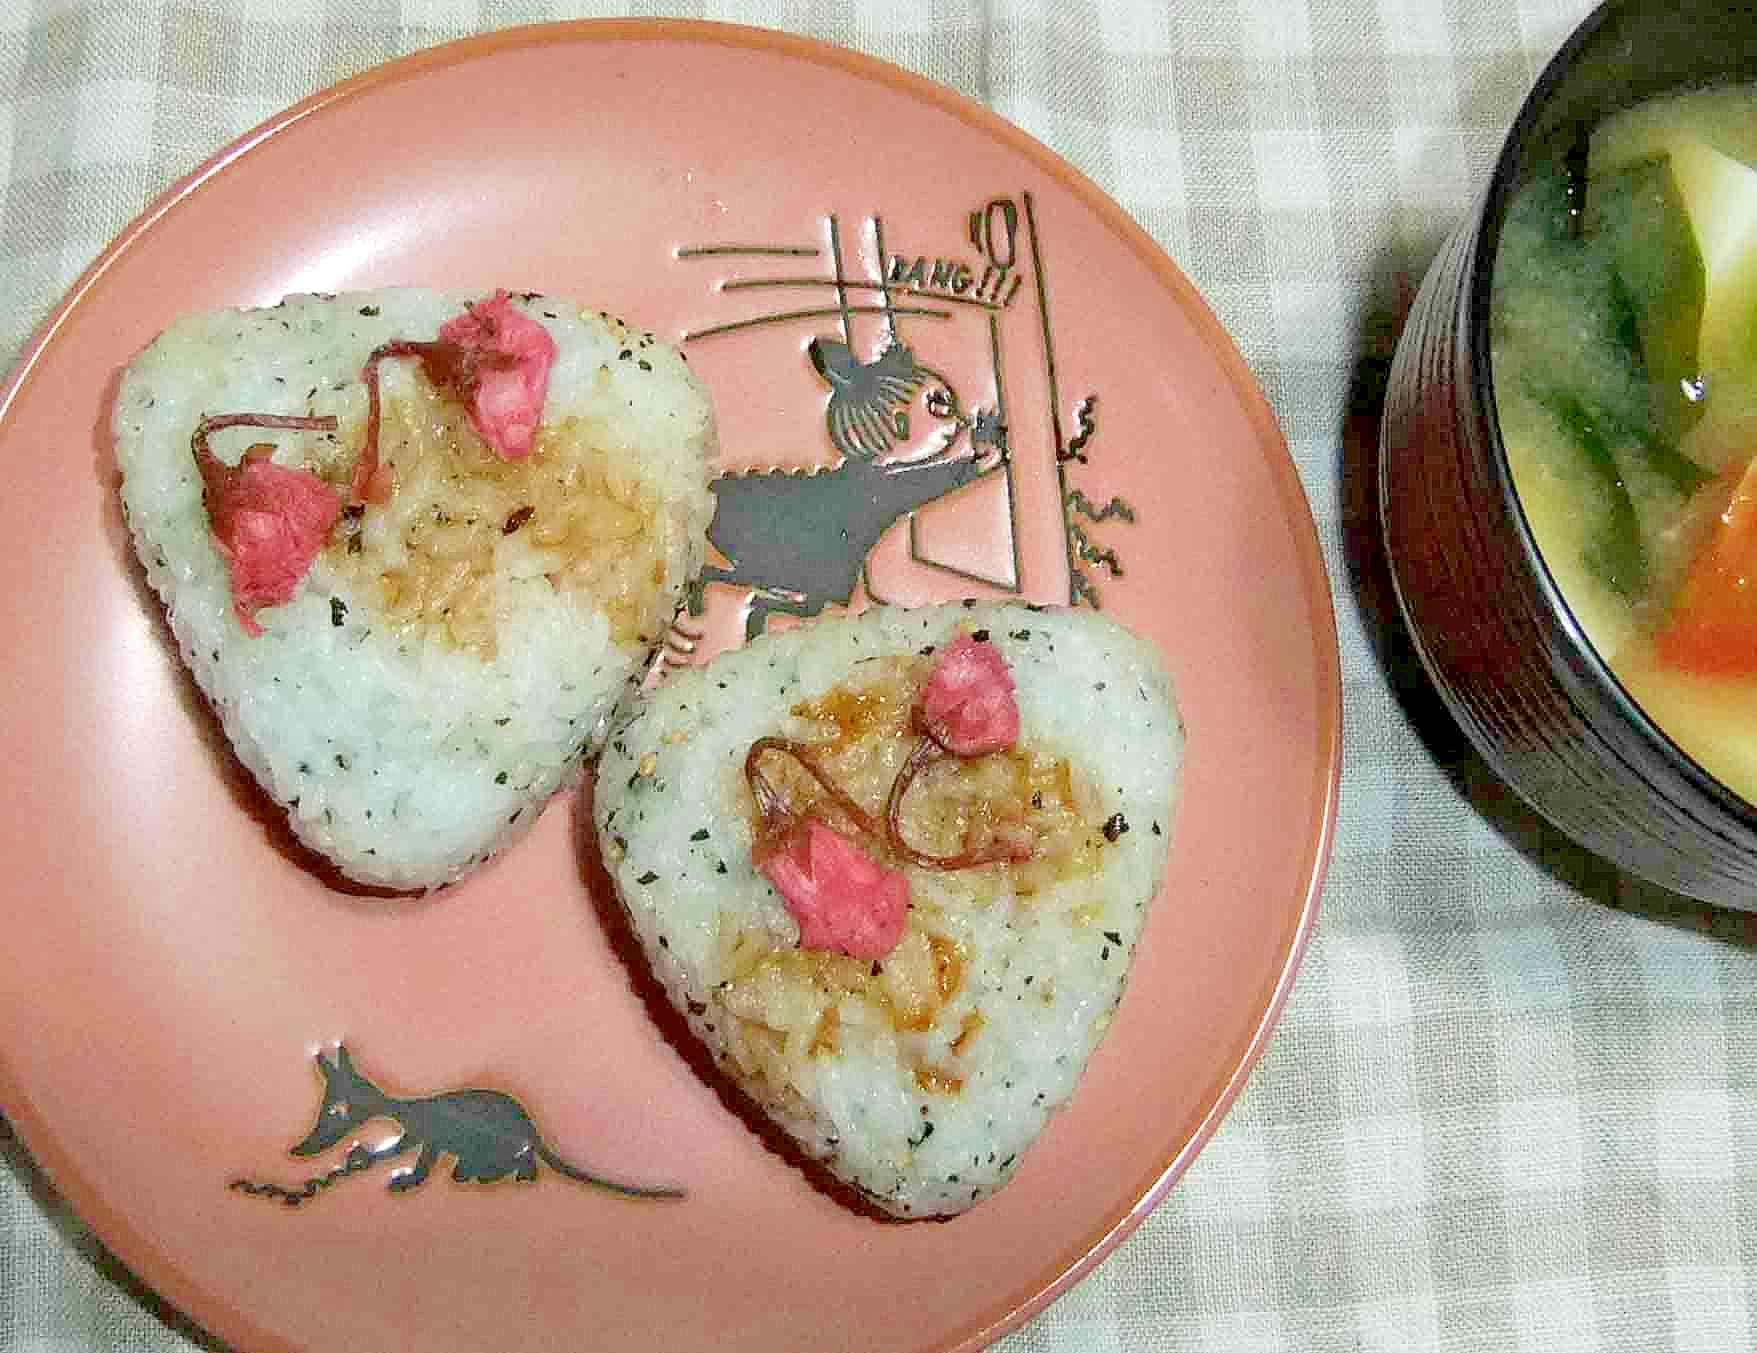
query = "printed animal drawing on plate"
{"x": 907, "y": 489}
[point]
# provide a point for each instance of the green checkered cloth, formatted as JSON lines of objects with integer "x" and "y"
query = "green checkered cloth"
{"x": 1511, "y": 1104}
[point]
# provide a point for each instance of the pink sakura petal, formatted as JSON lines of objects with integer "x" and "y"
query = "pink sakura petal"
{"x": 509, "y": 355}
{"x": 968, "y": 706}
{"x": 268, "y": 521}
{"x": 844, "y": 900}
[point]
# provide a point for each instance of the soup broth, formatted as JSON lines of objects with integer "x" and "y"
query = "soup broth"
{"x": 1624, "y": 342}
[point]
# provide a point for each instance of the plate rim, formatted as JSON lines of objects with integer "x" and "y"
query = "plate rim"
{"x": 156, "y": 1272}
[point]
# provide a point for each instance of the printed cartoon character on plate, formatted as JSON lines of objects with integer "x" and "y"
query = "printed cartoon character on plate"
{"x": 916, "y": 482}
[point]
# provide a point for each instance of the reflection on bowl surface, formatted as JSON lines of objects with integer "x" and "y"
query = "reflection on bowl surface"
{"x": 1567, "y": 433}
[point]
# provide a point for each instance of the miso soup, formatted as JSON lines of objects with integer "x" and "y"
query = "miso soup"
{"x": 1624, "y": 343}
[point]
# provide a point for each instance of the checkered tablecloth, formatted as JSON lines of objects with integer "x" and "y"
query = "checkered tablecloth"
{"x": 1511, "y": 1104}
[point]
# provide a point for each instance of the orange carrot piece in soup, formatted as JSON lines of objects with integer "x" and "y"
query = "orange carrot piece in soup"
{"x": 1711, "y": 629}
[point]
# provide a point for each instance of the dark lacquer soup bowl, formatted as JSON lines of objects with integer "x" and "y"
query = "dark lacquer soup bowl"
{"x": 1520, "y": 667}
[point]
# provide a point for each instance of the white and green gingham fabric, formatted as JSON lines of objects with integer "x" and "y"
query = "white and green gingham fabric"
{"x": 1513, "y": 1101}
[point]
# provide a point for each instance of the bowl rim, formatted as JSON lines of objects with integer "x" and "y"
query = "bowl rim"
{"x": 1509, "y": 163}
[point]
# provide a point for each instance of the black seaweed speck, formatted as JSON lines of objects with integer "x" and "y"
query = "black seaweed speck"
{"x": 699, "y": 834}
{"x": 646, "y": 878}
{"x": 981, "y": 636}
{"x": 1115, "y": 827}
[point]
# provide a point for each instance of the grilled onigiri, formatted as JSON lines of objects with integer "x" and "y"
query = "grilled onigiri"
{"x": 916, "y": 1040}
{"x": 414, "y": 547}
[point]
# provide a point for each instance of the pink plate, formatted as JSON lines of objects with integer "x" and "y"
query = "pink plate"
{"x": 764, "y": 201}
